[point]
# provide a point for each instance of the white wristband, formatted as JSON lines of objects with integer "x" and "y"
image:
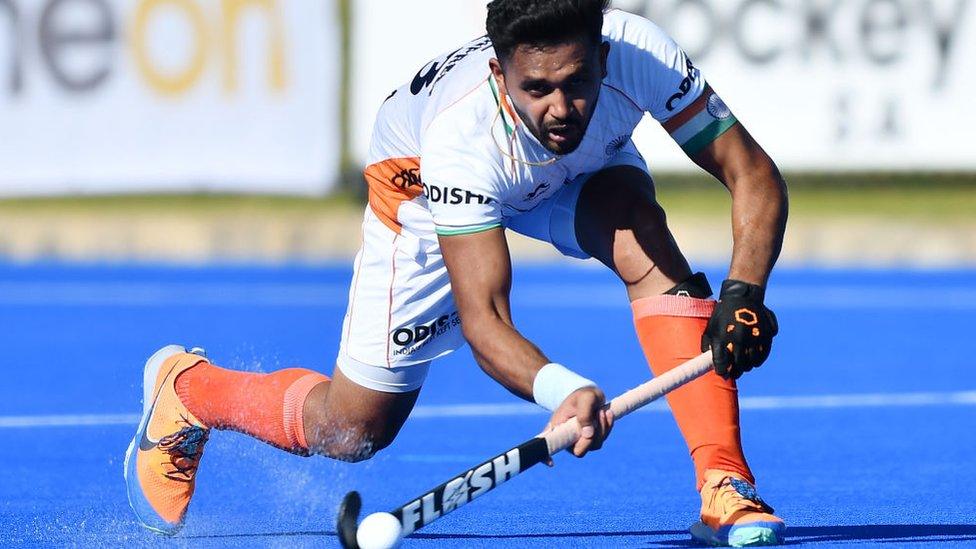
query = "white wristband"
{"x": 554, "y": 383}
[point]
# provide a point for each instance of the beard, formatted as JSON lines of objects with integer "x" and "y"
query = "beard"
{"x": 562, "y": 138}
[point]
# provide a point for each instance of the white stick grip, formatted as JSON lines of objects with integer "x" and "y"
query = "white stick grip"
{"x": 567, "y": 434}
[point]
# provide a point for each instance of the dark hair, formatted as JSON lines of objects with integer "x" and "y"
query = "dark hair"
{"x": 512, "y": 23}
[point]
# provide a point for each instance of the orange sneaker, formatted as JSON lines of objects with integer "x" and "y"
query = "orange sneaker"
{"x": 734, "y": 515}
{"x": 162, "y": 459}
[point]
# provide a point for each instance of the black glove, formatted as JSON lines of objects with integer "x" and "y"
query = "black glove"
{"x": 741, "y": 329}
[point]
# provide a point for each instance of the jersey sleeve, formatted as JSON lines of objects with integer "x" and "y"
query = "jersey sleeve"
{"x": 660, "y": 78}
{"x": 462, "y": 189}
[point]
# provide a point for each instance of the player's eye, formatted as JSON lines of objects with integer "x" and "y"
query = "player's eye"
{"x": 578, "y": 82}
{"x": 538, "y": 90}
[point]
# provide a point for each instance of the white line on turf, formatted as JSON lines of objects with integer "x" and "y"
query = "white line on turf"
{"x": 549, "y": 296}
{"x": 868, "y": 400}
{"x": 124, "y": 294}
{"x": 68, "y": 420}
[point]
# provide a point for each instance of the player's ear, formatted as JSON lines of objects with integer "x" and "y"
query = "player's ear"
{"x": 498, "y": 74}
{"x": 604, "y": 54}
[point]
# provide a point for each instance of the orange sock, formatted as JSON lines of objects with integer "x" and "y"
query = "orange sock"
{"x": 268, "y": 407}
{"x": 707, "y": 409}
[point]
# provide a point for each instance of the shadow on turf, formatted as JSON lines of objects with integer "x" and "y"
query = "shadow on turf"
{"x": 796, "y": 535}
{"x": 557, "y": 535}
{"x": 455, "y": 536}
{"x": 882, "y": 533}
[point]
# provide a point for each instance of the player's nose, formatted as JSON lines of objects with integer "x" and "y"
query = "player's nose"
{"x": 560, "y": 105}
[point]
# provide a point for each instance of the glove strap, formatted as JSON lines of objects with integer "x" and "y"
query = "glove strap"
{"x": 738, "y": 288}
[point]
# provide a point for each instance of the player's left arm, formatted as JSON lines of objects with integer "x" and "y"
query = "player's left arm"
{"x": 741, "y": 329}
{"x": 759, "y": 201}
{"x": 660, "y": 78}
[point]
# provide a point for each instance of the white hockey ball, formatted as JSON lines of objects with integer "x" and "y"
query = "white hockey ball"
{"x": 379, "y": 531}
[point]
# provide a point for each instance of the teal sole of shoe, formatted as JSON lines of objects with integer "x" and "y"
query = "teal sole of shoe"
{"x": 742, "y": 536}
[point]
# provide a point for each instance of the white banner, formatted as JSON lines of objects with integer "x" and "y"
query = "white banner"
{"x": 392, "y": 40}
{"x": 822, "y": 84}
{"x": 168, "y": 95}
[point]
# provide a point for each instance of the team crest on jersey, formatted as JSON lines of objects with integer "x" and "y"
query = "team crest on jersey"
{"x": 618, "y": 143}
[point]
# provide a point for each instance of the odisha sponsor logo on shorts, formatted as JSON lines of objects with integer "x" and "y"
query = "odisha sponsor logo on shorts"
{"x": 684, "y": 87}
{"x": 453, "y": 195}
{"x": 410, "y": 339}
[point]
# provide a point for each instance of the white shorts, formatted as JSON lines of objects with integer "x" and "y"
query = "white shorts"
{"x": 401, "y": 312}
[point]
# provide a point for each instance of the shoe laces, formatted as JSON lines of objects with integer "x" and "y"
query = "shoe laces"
{"x": 184, "y": 448}
{"x": 740, "y": 495}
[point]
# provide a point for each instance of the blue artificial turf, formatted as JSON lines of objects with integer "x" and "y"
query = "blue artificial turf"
{"x": 885, "y": 472}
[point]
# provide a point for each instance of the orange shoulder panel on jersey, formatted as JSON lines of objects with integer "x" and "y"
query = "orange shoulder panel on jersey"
{"x": 391, "y": 182}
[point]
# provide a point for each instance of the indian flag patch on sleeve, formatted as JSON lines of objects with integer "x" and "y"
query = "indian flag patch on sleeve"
{"x": 701, "y": 122}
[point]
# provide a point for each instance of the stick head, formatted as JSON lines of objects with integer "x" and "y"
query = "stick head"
{"x": 348, "y": 519}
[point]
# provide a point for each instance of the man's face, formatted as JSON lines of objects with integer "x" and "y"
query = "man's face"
{"x": 554, "y": 89}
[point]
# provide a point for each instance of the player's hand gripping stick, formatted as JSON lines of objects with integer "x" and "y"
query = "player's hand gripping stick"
{"x": 385, "y": 530}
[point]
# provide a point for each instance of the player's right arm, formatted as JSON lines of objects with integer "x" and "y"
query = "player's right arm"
{"x": 480, "y": 269}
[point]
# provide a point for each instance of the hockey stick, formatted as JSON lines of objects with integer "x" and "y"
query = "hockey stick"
{"x": 487, "y": 476}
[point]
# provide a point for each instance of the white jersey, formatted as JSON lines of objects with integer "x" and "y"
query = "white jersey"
{"x": 450, "y": 156}
{"x": 440, "y": 153}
